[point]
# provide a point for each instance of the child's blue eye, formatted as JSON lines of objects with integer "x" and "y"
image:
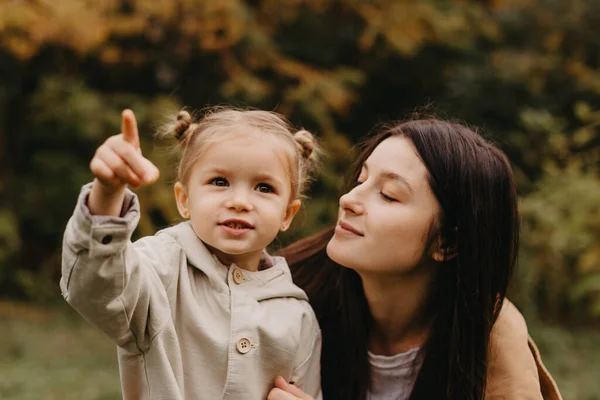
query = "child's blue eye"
{"x": 264, "y": 188}
{"x": 219, "y": 182}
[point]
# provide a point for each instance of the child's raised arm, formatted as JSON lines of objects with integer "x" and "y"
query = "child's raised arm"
{"x": 118, "y": 162}
{"x": 115, "y": 284}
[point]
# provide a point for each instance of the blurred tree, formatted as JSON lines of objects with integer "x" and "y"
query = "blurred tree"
{"x": 524, "y": 70}
{"x": 562, "y": 227}
{"x": 561, "y": 217}
{"x": 544, "y": 62}
{"x": 72, "y": 65}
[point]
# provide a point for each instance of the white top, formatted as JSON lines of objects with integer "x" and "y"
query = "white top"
{"x": 393, "y": 377}
{"x": 187, "y": 327}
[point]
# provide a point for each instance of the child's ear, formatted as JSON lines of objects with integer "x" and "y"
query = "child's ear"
{"x": 290, "y": 213}
{"x": 182, "y": 200}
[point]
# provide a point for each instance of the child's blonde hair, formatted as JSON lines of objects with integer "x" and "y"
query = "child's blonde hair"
{"x": 193, "y": 136}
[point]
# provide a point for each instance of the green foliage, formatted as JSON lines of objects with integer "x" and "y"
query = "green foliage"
{"x": 546, "y": 143}
{"x": 10, "y": 244}
{"x": 561, "y": 215}
{"x": 66, "y": 122}
{"x": 561, "y": 227}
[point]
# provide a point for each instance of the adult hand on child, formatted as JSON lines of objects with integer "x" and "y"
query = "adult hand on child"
{"x": 286, "y": 391}
{"x": 119, "y": 162}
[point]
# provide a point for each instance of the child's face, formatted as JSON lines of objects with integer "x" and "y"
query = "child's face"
{"x": 238, "y": 197}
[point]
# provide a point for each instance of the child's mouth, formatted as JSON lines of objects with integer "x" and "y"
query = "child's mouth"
{"x": 236, "y": 226}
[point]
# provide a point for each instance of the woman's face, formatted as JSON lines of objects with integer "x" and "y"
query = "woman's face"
{"x": 384, "y": 222}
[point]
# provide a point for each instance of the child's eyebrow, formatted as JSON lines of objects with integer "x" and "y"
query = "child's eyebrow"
{"x": 266, "y": 177}
{"x": 217, "y": 171}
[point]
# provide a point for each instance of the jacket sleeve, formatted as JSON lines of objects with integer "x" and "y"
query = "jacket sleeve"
{"x": 547, "y": 384}
{"x": 307, "y": 370}
{"x": 515, "y": 371}
{"x": 111, "y": 282}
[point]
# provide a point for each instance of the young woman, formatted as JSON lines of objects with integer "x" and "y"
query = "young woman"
{"x": 413, "y": 278}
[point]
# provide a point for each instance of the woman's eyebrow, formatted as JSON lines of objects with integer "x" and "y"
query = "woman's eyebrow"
{"x": 395, "y": 177}
{"x": 391, "y": 176}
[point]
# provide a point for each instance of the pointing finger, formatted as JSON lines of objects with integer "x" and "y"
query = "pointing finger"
{"x": 129, "y": 128}
{"x": 141, "y": 166}
{"x": 118, "y": 166}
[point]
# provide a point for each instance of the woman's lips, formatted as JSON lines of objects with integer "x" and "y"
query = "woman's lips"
{"x": 345, "y": 228}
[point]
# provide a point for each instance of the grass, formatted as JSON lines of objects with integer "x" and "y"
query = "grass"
{"x": 52, "y": 353}
{"x": 572, "y": 357}
{"x": 48, "y": 354}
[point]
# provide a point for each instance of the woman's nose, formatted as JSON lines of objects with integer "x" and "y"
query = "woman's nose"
{"x": 351, "y": 202}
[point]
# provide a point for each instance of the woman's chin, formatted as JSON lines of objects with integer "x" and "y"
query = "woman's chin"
{"x": 338, "y": 254}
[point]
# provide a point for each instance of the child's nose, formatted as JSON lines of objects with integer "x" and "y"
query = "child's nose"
{"x": 240, "y": 201}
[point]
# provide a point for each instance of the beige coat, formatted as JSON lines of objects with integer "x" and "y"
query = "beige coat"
{"x": 186, "y": 326}
{"x": 515, "y": 368}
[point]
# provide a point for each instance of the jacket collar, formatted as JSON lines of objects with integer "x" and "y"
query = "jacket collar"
{"x": 273, "y": 282}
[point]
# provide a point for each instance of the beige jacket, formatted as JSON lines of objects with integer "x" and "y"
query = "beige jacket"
{"x": 515, "y": 368}
{"x": 186, "y": 326}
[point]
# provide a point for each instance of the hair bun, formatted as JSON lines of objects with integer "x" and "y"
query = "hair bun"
{"x": 184, "y": 120}
{"x": 305, "y": 142}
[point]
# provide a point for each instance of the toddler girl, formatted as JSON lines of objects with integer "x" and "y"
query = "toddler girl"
{"x": 199, "y": 310}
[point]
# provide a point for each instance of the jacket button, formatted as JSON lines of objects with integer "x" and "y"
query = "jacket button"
{"x": 238, "y": 276}
{"x": 107, "y": 239}
{"x": 243, "y": 345}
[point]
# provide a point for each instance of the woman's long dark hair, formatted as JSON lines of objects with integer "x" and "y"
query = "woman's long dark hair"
{"x": 472, "y": 181}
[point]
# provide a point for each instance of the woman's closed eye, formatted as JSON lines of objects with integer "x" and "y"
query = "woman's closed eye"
{"x": 264, "y": 188}
{"x": 220, "y": 181}
{"x": 387, "y": 198}
{"x": 384, "y": 196}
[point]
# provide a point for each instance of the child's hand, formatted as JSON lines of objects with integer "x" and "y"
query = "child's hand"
{"x": 118, "y": 162}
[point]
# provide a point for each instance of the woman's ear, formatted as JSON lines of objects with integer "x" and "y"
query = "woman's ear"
{"x": 444, "y": 254}
{"x": 182, "y": 200}
{"x": 444, "y": 250}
